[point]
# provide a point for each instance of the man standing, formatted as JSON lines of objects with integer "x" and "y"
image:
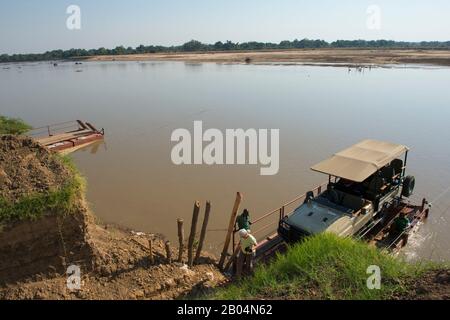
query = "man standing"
{"x": 247, "y": 246}
{"x": 400, "y": 227}
{"x": 401, "y": 223}
{"x": 243, "y": 220}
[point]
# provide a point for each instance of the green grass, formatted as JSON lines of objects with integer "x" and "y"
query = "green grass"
{"x": 13, "y": 126}
{"x": 60, "y": 200}
{"x": 324, "y": 267}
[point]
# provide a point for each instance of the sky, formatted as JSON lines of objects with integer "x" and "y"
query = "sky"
{"x": 37, "y": 26}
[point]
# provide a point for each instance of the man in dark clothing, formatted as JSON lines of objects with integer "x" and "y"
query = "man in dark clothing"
{"x": 243, "y": 220}
{"x": 401, "y": 223}
{"x": 400, "y": 228}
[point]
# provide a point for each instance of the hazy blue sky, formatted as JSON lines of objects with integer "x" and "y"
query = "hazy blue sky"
{"x": 36, "y": 26}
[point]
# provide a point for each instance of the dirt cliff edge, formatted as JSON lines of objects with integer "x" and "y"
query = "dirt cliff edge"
{"x": 46, "y": 227}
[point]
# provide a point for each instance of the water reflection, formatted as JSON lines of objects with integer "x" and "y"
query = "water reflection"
{"x": 94, "y": 147}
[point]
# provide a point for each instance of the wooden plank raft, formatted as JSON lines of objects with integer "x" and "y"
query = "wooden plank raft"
{"x": 382, "y": 236}
{"x": 67, "y": 137}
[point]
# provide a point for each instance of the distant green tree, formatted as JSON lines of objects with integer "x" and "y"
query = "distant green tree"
{"x": 285, "y": 44}
{"x": 140, "y": 49}
{"x": 101, "y": 52}
{"x": 119, "y": 50}
{"x": 218, "y": 45}
{"x": 229, "y": 45}
{"x": 193, "y": 45}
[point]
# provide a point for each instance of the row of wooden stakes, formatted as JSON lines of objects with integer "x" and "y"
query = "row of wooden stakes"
{"x": 191, "y": 241}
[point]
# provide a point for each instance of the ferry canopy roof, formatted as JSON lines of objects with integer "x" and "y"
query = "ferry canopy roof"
{"x": 361, "y": 160}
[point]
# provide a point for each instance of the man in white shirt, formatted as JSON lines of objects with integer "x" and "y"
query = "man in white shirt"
{"x": 247, "y": 246}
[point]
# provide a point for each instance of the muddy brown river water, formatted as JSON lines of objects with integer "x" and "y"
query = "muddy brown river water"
{"x": 318, "y": 111}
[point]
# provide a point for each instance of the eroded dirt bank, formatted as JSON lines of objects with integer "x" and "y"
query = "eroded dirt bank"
{"x": 433, "y": 285}
{"x": 44, "y": 247}
{"x": 114, "y": 264}
{"x": 27, "y": 168}
{"x": 320, "y": 56}
{"x": 39, "y": 240}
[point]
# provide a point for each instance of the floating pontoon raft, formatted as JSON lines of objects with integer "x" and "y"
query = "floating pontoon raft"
{"x": 67, "y": 137}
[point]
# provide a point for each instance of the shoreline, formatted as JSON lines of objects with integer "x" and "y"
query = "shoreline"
{"x": 39, "y": 246}
{"x": 321, "y": 57}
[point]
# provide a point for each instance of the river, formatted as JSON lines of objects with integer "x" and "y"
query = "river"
{"x": 318, "y": 110}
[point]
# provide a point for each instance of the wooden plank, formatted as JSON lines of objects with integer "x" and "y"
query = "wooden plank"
{"x": 78, "y": 147}
{"x": 81, "y": 124}
{"x": 62, "y": 137}
{"x": 150, "y": 251}
{"x": 192, "y": 234}
{"x": 180, "y": 239}
{"x": 231, "y": 225}
{"x": 232, "y": 258}
{"x": 203, "y": 232}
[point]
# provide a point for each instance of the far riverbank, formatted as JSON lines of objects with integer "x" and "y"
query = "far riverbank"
{"x": 319, "y": 56}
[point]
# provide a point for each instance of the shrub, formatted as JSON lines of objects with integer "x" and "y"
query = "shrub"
{"x": 13, "y": 126}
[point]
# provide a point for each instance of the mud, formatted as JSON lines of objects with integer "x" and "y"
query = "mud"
{"x": 27, "y": 168}
{"x": 114, "y": 264}
{"x": 433, "y": 285}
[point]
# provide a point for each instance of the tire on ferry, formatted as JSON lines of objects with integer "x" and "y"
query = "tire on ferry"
{"x": 408, "y": 186}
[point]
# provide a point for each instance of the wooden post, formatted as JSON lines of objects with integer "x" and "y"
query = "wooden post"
{"x": 192, "y": 234}
{"x": 232, "y": 258}
{"x": 180, "y": 239}
{"x": 168, "y": 253}
{"x": 231, "y": 225}
{"x": 150, "y": 251}
{"x": 203, "y": 232}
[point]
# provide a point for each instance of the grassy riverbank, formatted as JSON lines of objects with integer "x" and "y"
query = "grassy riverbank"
{"x": 327, "y": 267}
{"x": 13, "y": 125}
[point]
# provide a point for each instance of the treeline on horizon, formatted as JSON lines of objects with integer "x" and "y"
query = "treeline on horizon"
{"x": 197, "y": 46}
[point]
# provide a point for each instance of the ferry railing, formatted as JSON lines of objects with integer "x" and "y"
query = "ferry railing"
{"x": 267, "y": 224}
{"x": 53, "y": 129}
